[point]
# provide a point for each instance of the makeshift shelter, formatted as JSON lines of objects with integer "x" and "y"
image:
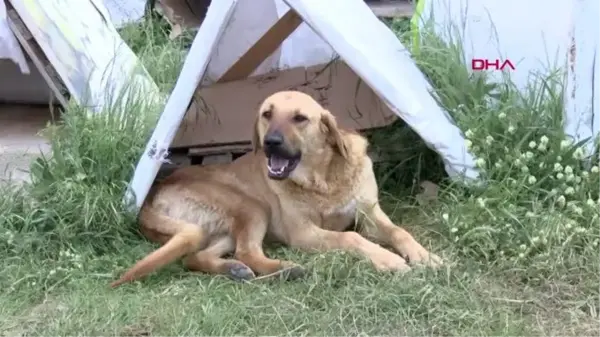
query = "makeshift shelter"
{"x": 52, "y": 51}
{"x": 247, "y": 49}
{"x": 80, "y": 56}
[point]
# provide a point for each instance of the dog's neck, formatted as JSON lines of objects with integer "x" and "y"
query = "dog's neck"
{"x": 328, "y": 167}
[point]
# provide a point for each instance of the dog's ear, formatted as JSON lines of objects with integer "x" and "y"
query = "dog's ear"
{"x": 256, "y": 145}
{"x": 334, "y": 135}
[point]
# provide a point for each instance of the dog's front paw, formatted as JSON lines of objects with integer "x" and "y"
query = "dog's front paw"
{"x": 388, "y": 261}
{"x": 417, "y": 254}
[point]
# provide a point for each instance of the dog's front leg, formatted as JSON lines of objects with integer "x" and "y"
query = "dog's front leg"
{"x": 378, "y": 224}
{"x": 318, "y": 239}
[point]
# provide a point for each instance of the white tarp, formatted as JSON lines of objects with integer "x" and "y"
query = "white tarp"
{"x": 369, "y": 48}
{"x": 536, "y": 36}
{"x": 488, "y": 30}
{"x": 582, "y": 95}
{"x": 79, "y": 40}
{"x": 123, "y": 12}
{"x": 9, "y": 46}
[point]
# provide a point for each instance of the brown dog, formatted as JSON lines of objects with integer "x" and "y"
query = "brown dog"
{"x": 304, "y": 184}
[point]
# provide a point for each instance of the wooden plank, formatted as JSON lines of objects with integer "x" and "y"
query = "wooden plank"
{"x": 194, "y": 66}
{"x": 203, "y": 151}
{"x": 264, "y": 47}
{"x": 223, "y": 158}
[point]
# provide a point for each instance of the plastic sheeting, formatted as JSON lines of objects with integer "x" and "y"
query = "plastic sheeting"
{"x": 87, "y": 52}
{"x": 582, "y": 96}
{"x": 487, "y": 30}
{"x": 123, "y": 12}
{"x": 9, "y": 46}
{"x": 549, "y": 35}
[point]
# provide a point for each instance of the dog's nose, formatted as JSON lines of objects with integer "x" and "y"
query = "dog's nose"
{"x": 273, "y": 139}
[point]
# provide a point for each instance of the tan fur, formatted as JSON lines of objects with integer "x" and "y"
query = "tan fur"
{"x": 204, "y": 213}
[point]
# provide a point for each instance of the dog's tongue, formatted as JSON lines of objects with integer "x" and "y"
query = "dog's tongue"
{"x": 277, "y": 163}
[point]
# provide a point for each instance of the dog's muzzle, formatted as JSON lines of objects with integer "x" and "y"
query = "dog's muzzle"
{"x": 281, "y": 160}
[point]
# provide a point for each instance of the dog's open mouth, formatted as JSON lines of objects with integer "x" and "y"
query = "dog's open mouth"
{"x": 280, "y": 167}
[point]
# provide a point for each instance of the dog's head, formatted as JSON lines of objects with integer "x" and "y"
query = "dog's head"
{"x": 291, "y": 126}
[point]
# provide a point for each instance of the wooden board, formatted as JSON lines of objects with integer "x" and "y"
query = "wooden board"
{"x": 224, "y": 113}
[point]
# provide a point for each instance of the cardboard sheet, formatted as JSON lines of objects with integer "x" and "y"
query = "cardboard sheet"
{"x": 215, "y": 118}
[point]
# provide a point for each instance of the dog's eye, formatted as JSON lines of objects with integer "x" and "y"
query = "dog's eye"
{"x": 267, "y": 114}
{"x": 300, "y": 118}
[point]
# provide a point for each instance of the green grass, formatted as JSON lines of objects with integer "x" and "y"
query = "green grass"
{"x": 522, "y": 253}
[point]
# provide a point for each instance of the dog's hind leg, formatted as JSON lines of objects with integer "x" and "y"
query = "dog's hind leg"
{"x": 210, "y": 260}
{"x": 186, "y": 239}
{"x": 249, "y": 230}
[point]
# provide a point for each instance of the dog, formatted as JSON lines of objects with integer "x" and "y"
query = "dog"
{"x": 305, "y": 183}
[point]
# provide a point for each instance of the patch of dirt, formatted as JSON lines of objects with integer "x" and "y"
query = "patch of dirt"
{"x": 33, "y": 317}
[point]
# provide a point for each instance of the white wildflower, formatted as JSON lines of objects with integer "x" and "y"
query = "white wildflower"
{"x": 569, "y": 190}
{"x": 561, "y": 200}
{"x": 480, "y": 162}
{"x": 445, "y": 216}
{"x": 560, "y": 176}
{"x": 528, "y": 155}
{"x": 594, "y": 169}
{"x": 568, "y": 170}
{"x": 558, "y": 167}
{"x": 578, "y": 154}
{"x": 542, "y": 147}
{"x": 591, "y": 203}
{"x": 469, "y": 133}
{"x": 501, "y": 115}
{"x": 532, "y": 144}
{"x": 468, "y": 144}
{"x": 481, "y": 202}
{"x": 565, "y": 144}
{"x": 544, "y": 140}
{"x": 511, "y": 129}
{"x": 454, "y": 230}
{"x": 531, "y": 180}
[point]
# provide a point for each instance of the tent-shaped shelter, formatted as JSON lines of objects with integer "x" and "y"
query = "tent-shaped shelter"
{"x": 338, "y": 51}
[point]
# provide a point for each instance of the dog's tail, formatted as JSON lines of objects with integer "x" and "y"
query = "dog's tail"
{"x": 186, "y": 239}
